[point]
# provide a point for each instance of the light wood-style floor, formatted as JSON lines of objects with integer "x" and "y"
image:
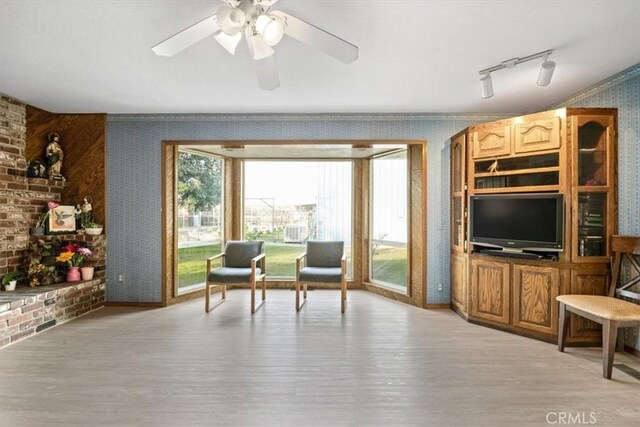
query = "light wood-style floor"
{"x": 382, "y": 363}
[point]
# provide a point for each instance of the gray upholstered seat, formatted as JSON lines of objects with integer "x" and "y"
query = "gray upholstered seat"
{"x": 239, "y": 265}
{"x": 320, "y": 274}
{"x": 325, "y": 263}
{"x": 231, "y": 275}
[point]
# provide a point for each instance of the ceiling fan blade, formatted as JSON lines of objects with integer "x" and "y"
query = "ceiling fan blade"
{"x": 267, "y": 73}
{"x": 188, "y": 37}
{"x": 316, "y": 37}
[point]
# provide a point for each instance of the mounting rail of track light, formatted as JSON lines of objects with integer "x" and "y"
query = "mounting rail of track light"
{"x": 544, "y": 76}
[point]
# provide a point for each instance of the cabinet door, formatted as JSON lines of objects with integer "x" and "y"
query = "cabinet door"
{"x": 587, "y": 282}
{"x": 490, "y": 294}
{"x": 459, "y": 282}
{"x": 458, "y": 193}
{"x": 594, "y": 194}
{"x": 534, "y": 298}
{"x": 491, "y": 141}
{"x": 537, "y": 135}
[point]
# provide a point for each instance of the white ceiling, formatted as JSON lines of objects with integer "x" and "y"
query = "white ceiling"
{"x": 415, "y": 56}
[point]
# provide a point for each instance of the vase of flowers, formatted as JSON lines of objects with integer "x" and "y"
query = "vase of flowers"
{"x": 73, "y": 255}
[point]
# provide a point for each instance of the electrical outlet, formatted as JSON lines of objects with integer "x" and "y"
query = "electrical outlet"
{"x": 120, "y": 278}
{"x": 439, "y": 287}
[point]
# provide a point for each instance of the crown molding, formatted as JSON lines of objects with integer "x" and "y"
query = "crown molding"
{"x": 616, "y": 79}
{"x": 358, "y": 117}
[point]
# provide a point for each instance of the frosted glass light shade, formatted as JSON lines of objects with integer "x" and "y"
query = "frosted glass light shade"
{"x": 486, "y": 86}
{"x": 546, "y": 72}
{"x": 230, "y": 19}
{"x": 260, "y": 49}
{"x": 230, "y": 43}
{"x": 271, "y": 28}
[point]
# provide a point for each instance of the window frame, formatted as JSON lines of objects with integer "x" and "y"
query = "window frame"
{"x": 406, "y": 289}
{"x": 350, "y": 259}
{"x": 177, "y": 292}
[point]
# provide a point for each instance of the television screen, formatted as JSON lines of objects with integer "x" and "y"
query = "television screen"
{"x": 524, "y": 221}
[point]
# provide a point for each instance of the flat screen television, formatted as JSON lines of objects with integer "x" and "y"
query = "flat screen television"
{"x": 531, "y": 222}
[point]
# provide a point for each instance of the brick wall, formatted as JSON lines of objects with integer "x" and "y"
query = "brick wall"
{"x": 16, "y": 208}
{"x": 22, "y": 199}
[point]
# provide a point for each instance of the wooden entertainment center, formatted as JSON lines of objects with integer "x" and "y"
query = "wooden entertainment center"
{"x": 568, "y": 151}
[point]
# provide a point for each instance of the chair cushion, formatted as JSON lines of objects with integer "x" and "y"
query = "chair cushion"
{"x": 604, "y": 307}
{"x": 324, "y": 253}
{"x": 231, "y": 275}
{"x": 321, "y": 274}
{"x": 239, "y": 254}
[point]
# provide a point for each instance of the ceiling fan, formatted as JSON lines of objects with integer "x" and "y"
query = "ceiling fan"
{"x": 263, "y": 28}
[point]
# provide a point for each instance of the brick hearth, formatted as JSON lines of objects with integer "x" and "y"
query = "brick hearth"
{"x": 27, "y": 311}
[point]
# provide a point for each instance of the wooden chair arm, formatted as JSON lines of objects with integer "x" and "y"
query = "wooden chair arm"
{"x": 214, "y": 258}
{"x": 299, "y": 259}
{"x": 254, "y": 261}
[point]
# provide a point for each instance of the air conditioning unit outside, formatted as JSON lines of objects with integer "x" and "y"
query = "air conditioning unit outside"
{"x": 295, "y": 233}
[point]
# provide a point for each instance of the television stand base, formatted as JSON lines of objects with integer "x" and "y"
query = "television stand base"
{"x": 511, "y": 254}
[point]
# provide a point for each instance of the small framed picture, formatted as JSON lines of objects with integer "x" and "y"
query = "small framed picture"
{"x": 62, "y": 220}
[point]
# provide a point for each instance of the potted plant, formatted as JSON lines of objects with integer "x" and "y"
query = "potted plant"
{"x": 39, "y": 229}
{"x": 91, "y": 227}
{"x": 73, "y": 255}
{"x": 10, "y": 280}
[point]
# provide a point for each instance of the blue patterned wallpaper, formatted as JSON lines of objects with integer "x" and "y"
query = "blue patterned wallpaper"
{"x": 133, "y": 172}
{"x": 134, "y": 175}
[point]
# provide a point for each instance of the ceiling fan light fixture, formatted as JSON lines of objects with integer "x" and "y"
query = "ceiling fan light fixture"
{"x": 260, "y": 49}
{"x": 231, "y": 20}
{"x": 271, "y": 28}
{"x": 230, "y": 43}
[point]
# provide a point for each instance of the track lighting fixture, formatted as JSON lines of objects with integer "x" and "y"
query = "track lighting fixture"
{"x": 486, "y": 85}
{"x": 544, "y": 77}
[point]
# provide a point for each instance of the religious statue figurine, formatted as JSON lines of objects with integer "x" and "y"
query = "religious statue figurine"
{"x": 86, "y": 205}
{"x": 54, "y": 155}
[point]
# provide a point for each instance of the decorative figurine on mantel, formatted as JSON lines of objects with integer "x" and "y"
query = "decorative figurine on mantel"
{"x": 55, "y": 156}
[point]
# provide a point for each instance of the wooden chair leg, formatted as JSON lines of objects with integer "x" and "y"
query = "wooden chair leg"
{"x": 224, "y": 292}
{"x": 343, "y": 295}
{"x": 264, "y": 288}
{"x": 563, "y": 326}
{"x": 304, "y": 293}
{"x": 253, "y": 295}
{"x": 609, "y": 335}
{"x": 297, "y": 295}
{"x": 207, "y": 295}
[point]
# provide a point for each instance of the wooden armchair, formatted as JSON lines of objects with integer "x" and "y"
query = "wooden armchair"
{"x": 240, "y": 262}
{"x": 325, "y": 263}
{"x": 612, "y": 313}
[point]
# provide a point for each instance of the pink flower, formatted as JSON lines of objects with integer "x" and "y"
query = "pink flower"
{"x": 52, "y": 205}
{"x": 85, "y": 252}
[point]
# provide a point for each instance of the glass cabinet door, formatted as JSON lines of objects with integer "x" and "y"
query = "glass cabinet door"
{"x": 458, "y": 193}
{"x": 593, "y": 183}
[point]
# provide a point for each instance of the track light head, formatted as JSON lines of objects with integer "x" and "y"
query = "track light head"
{"x": 486, "y": 86}
{"x": 546, "y": 72}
